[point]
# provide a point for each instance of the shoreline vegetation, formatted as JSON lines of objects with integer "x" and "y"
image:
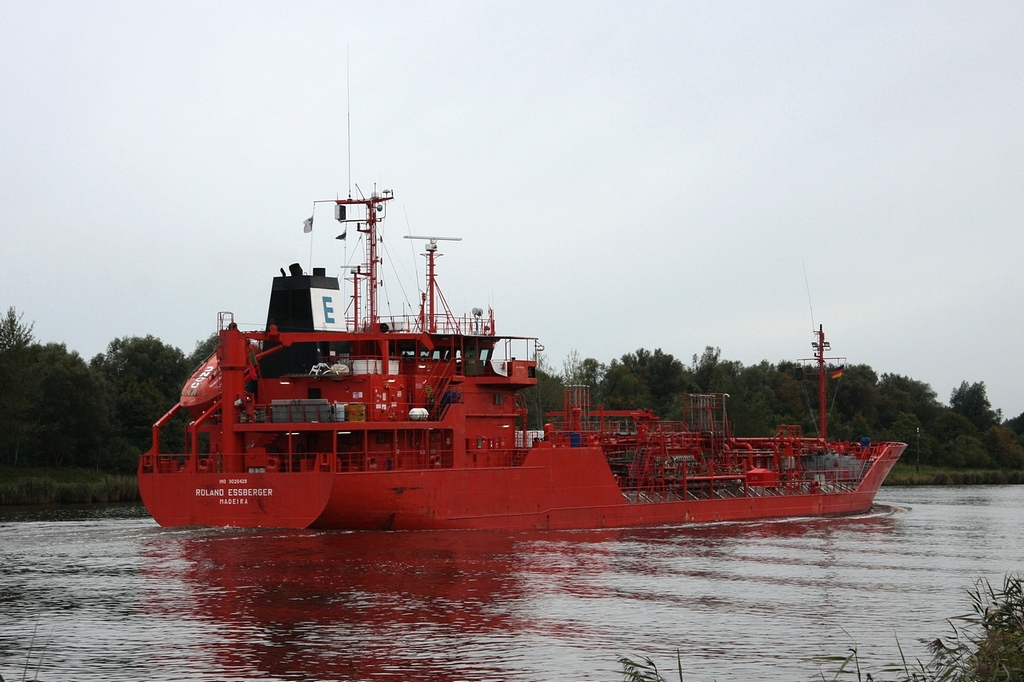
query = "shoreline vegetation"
{"x": 42, "y": 486}
{"x": 906, "y": 474}
{"x": 63, "y": 485}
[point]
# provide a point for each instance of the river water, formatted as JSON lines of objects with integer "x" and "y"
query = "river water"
{"x": 103, "y": 593}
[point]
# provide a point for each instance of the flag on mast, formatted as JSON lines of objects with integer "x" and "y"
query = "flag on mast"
{"x": 307, "y": 225}
{"x": 836, "y": 373}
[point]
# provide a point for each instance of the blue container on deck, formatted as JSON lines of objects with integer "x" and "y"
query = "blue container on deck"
{"x": 575, "y": 440}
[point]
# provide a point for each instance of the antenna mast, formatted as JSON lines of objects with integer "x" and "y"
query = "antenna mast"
{"x": 820, "y": 346}
{"x": 375, "y": 212}
{"x": 348, "y": 114}
{"x": 428, "y": 317}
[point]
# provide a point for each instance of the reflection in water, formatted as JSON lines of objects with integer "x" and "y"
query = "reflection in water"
{"x": 447, "y": 605}
{"x": 122, "y": 599}
{"x": 303, "y": 604}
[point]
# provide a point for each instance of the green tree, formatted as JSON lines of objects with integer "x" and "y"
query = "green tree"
{"x": 750, "y": 400}
{"x": 907, "y": 429}
{"x": 899, "y": 395}
{"x": 545, "y": 397}
{"x": 622, "y": 389}
{"x": 794, "y": 396}
{"x": 956, "y": 438}
{"x": 145, "y": 360}
{"x": 1016, "y": 424}
{"x": 660, "y": 374}
{"x": 966, "y": 452}
{"x": 853, "y": 428}
{"x": 577, "y": 371}
{"x": 72, "y": 409}
{"x": 146, "y": 375}
{"x": 749, "y": 403}
{"x": 949, "y": 424}
{"x": 17, "y": 345}
{"x": 704, "y": 369}
{"x": 971, "y": 400}
{"x": 856, "y": 395}
{"x": 15, "y": 334}
{"x": 203, "y": 350}
{"x": 710, "y": 374}
{"x": 1003, "y": 447}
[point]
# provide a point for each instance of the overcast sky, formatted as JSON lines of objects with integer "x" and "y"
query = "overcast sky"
{"x": 623, "y": 175}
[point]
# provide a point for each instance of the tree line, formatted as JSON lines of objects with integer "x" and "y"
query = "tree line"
{"x": 57, "y": 409}
{"x": 966, "y": 433}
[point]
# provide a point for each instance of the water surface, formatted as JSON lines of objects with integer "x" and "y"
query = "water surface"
{"x": 103, "y": 593}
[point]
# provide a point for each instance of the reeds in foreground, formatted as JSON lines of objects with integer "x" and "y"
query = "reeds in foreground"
{"x": 986, "y": 645}
{"x": 646, "y": 670}
{"x": 28, "y": 656}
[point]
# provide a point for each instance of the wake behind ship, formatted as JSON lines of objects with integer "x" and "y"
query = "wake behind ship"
{"x": 335, "y": 417}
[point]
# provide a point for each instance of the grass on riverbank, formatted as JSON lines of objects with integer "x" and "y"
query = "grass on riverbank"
{"x": 64, "y": 486}
{"x": 910, "y": 474}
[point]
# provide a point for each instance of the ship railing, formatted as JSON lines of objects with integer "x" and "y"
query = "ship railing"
{"x": 840, "y": 475}
{"x": 403, "y": 459}
{"x": 419, "y": 460}
{"x": 526, "y": 439}
{"x": 164, "y": 463}
{"x": 306, "y": 462}
{"x": 764, "y": 491}
{"x": 661, "y": 488}
{"x": 362, "y": 461}
{"x": 358, "y": 365}
{"x": 468, "y": 325}
{"x": 639, "y": 494}
{"x": 839, "y": 487}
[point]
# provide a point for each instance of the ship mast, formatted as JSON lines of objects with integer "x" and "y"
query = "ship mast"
{"x": 375, "y": 208}
{"x": 428, "y": 309}
{"x": 820, "y": 346}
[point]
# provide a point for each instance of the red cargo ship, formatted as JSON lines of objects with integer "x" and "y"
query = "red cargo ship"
{"x": 336, "y": 417}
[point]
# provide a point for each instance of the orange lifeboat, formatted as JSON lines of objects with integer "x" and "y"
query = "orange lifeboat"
{"x": 202, "y": 388}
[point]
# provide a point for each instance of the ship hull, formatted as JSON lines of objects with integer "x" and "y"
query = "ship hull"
{"x": 553, "y": 489}
{"x": 242, "y": 500}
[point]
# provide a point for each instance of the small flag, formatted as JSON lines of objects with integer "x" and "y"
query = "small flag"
{"x": 252, "y": 367}
{"x": 836, "y": 373}
{"x": 307, "y": 225}
{"x": 342, "y": 235}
